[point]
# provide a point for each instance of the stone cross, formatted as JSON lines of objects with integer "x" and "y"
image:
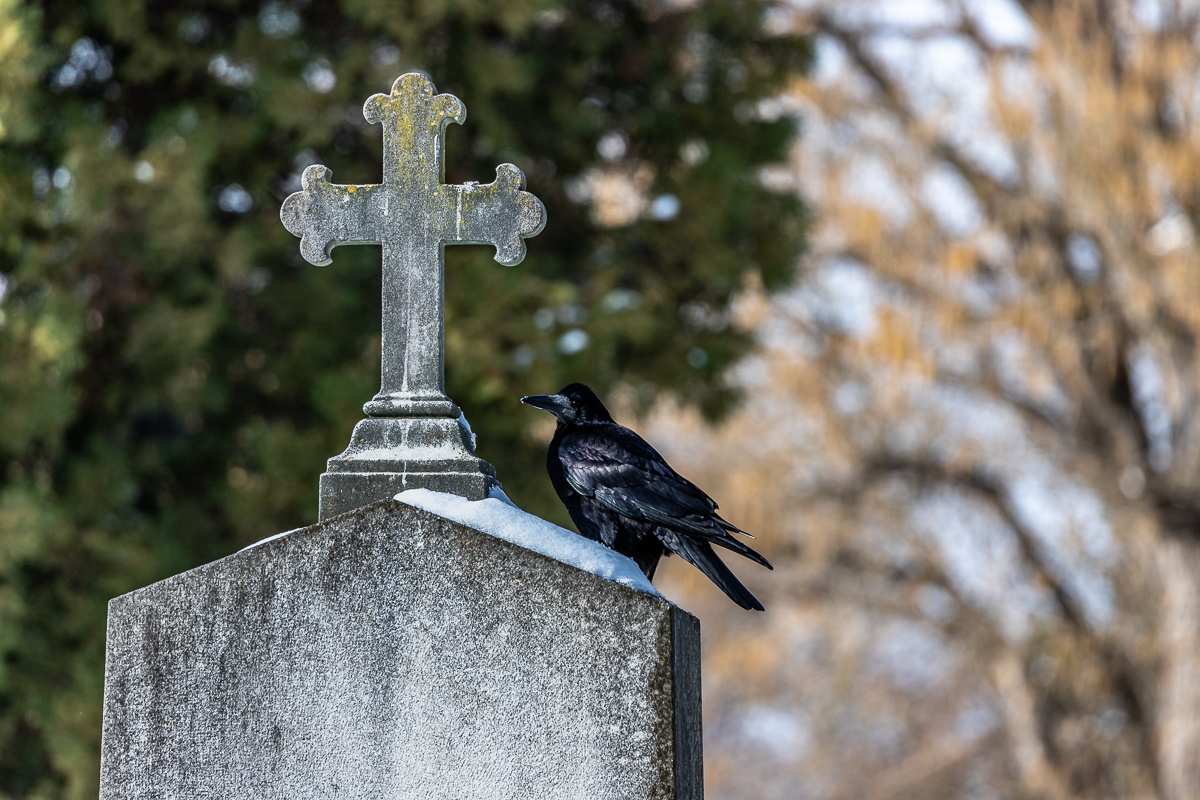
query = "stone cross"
{"x": 408, "y": 440}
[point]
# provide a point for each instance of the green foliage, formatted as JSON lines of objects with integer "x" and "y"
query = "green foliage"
{"x": 172, "y": 375}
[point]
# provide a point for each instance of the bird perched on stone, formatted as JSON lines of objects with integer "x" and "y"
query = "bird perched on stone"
{"x": 619, "y": 491}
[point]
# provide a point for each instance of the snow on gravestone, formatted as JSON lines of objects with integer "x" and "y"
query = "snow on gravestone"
{"x": 427, "y": 647}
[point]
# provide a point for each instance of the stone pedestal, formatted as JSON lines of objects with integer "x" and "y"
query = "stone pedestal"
{"x": 387, "y": 455}
{"x": 392, "y": 653}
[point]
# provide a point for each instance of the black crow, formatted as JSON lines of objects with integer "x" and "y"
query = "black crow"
{"x": 621, "y": 492}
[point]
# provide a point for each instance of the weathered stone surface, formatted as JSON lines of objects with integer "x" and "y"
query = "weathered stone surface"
{"x": 413, "y": 214}
{"x": 390, "y": 653}
{"x": 387, "y": 455}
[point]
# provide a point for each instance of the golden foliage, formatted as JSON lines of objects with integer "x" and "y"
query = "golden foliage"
{"x": 971, "y": 441}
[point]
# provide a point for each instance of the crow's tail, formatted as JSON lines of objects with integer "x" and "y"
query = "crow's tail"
{"x": 700, "y": 554}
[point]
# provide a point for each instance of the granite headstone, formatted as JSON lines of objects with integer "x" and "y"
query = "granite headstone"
{"x": 391, "y": 653}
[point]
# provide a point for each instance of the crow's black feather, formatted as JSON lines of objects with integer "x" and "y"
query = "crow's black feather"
{"x": 621, "y": 492}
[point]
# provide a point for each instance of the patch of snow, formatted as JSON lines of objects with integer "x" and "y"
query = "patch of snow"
{"x": 752, "y": 372}
{"x": 906, "y": 15}
{"x": 946, "y": 80}
{"x": 786, "y": 735}
{"x": 850, "y": 398}
{"x": 957, "y": 358}
{"x": 1151, "y": 15}
{"x": 1020, "y": 84}
{"x": 1083, "y": 254}
{"x": 1148, "y": 388}
{"x": 869, "y": 181}
{"x": 936, "y": 603}
{"x": 772, "y": 109}
{"x": 950, "y": 423}
{"x": 1068, "y": 523}
{"x": 996, "y": 249}
{"x": 1065, "y": 518}
{"x": 1170, "y": 233}
{"x": 1111, "y": 721}
{"x": 830, "y": 61}
{"x": 1026, "y": 375}
{"x": 975, "y": 721}
{"x": 832, "y": 66}
{"x": 1043, "y": 170}
{"x": 875, "y": 131}
{"x": 269, "y": 539}
{"x": 1002, "y": 23}
{"x": 840, "y": 296}
{"x": 912, "y": 655}
{"x": 498, "y": 516}
{"x": 951, "y": 200}
{"x": 405, "y": 453}
{"x": 982, "y": 559}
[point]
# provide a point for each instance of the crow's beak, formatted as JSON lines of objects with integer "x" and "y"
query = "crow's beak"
{"x": 554, "y": 403}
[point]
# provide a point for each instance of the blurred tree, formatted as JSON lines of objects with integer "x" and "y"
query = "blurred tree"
{"x": 981, "y": 491}
{"x": 172, "y": 375}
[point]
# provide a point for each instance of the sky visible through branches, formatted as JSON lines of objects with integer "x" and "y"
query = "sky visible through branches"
{"x": 970, "y": 438}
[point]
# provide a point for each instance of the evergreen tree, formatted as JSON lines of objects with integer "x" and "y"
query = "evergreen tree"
{"x": 173, "y": 375}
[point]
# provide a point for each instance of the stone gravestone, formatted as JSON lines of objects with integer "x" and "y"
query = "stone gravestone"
{"x": 413, "y": 436}
{"x": 393, "y": 654}
{"x": 429, "y": 646}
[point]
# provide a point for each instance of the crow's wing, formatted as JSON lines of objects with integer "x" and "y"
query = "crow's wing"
{"x": 616, "y": 467}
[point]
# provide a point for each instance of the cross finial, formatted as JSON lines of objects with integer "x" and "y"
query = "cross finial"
{"x": 413, "y": 214}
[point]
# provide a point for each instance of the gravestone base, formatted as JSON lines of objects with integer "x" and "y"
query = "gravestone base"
{"x": 392, "y": 653}
{"x": 388, "y": 455}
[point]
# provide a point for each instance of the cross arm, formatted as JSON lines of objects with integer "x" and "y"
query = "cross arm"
{"x": 325, "y": 215}
{"x": 499, "y": 213}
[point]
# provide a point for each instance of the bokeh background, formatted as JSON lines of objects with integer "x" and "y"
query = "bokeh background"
{"x": 909, "y": 286}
